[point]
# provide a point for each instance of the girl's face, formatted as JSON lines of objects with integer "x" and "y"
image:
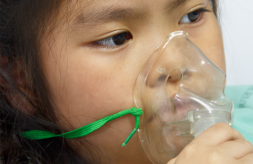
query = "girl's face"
{"x": 92, "y": 60}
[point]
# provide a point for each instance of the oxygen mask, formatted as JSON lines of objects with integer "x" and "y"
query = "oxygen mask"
{"x": 181, "y": 93}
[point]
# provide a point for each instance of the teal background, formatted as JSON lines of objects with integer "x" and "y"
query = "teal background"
{"x": 242, "y": 96}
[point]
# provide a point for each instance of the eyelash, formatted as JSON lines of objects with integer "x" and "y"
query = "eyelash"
{"x": 102, "y": 43}
{"x": 200, "y": 15}
{"x": 118, "y": 39}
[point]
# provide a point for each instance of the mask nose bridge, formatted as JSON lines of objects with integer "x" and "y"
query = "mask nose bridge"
{"x": 164, "y": 32}
{"x": 153, "y": 44}
{"x": 156, "y": 38}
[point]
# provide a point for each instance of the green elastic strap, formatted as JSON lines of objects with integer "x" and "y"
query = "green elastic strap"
{"x": 87, "y": 129}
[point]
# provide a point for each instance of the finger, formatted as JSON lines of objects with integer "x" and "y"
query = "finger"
{"x": 172, "y": 161}
{"x": 246, "y": 160}
{"x": 237, "y": 148}
{"x": 217, "y": 134}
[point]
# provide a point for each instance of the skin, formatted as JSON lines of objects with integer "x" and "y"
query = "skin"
{"x": 90, "y": 82}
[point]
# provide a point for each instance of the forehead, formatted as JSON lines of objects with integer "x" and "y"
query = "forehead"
{"x": 100, "y": 10}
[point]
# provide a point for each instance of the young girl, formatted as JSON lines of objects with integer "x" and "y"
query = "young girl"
{"x": 65, "y": 64}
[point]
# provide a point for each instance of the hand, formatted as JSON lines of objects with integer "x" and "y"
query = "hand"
{"x": 219, "y": 144}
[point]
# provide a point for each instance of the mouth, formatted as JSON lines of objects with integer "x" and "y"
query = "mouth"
{"x": 181, "y": 106}
{"x": 176, "y": 112}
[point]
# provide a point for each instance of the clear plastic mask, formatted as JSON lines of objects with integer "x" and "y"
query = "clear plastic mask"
{"x": 181, "y": 93}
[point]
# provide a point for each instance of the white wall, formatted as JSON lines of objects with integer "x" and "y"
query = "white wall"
{"x": 236, "y": 19}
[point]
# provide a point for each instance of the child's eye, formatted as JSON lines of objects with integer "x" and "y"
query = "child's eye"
{"x": 113, "y": 41}
{"x": 192, "y": 17}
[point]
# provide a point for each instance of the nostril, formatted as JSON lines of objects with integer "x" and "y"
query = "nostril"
{"x": 173, "y": 82}
{"x": 187, "y": 73}
{"x": 174, "y": 76}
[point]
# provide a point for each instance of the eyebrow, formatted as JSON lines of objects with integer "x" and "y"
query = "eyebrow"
{"x": 108, "y": 14}
{"x": 175, "y": 4}
{"x": 112, "y": 14}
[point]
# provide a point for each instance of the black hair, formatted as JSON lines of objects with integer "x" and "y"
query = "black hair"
{"x": 25, "y": 103}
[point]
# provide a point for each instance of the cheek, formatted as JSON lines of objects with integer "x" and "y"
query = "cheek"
{"x": 209, "y": 39}
{"x": 85, "y": 91}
